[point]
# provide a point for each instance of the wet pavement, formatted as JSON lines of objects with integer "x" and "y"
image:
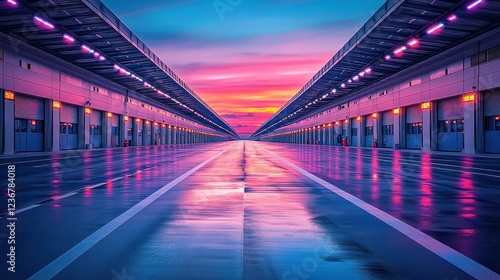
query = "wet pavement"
{"x": 236, "y": 211}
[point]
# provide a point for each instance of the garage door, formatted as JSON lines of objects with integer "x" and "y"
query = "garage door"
{"x": 68, "y": 133}
{"x": 450, "y": 125}
{"x": 29, "y": 123}
{"x": 492, "y": 121}
{"x": 96, "y": 129}
{"x": 414, "y": 127}
{"x": 388, "y": 129}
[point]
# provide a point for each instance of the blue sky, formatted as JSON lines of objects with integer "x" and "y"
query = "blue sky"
{"x": 245, "y": 58}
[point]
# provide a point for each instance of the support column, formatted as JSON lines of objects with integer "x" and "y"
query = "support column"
{"x": 361, "y": 131}
{"x": 56, "y": 124}
{"x": 397, "y": 130}
{"x": 107, "y": 131}
{"x": 426, "y": 129}
{"x": 86, "y": 129}
{"x": 123, "y": 130}
{"x": 8, "y": 125}
{"x": 348, "y": 132}
{"x": 469, "y": 127}
{"x": 376, "y": 130}
{"x": 48, "y": 125}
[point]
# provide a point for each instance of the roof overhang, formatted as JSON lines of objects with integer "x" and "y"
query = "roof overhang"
{"x": 400, "y": 34}
{"x": 87, "y": 34}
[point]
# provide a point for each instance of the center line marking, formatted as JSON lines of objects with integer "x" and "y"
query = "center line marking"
{"x": 454, "y": 257}
{"x": 57, "y": 265}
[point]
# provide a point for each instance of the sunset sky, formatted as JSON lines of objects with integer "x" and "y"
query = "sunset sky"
{"x": 247, "y": 59}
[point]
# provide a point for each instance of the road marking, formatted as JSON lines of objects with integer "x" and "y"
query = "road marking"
{"x": 27, "y": 208}
{"x": 454, "y": 257}
{"x": 37, "y": 160}
{"x": 56, "y": 266}
{"x": 59, "y": 197}
{"x": 433, "y": 165}
{"x": 85, "y": 188}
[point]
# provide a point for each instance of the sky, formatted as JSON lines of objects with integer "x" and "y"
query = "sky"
{"x": 245, "y": 58}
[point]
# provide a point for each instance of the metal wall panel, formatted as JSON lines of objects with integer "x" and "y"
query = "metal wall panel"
{"x": 29, "y": 108}
{"x": 450, "y": 109}
{"x": 492, "y": 103}
{"x": 414, "y": 114}
{"x": 69, "y": 113}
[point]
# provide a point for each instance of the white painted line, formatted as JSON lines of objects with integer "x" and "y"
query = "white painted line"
{"x": 454, "y": 257}
{"x": 56, "y": 266}
{"x": 76, "y": 192}
{"x": 27, "y": 208}
{"x": 36, "y": 160}
{"x": 117, "y": 178}
{"x": 64, "y": 196}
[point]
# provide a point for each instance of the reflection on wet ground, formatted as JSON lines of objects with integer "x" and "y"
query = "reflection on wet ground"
{"x": 246, "y": 215}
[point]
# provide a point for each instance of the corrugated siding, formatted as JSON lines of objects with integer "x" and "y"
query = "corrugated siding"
{"x": 95, "y": 117}
{"x": 387, "y": 118}
{"x": 450, "y": 109}
{"x": 69, "y": 113}
{"x": 29, "y": 108}
{"x": 414, "y": 114}
{"x": 492, "y": 103}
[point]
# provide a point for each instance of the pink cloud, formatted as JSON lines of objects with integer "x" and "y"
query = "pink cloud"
{"x": 263, "y": 75}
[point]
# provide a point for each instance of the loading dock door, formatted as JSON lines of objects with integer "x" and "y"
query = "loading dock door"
{"x": 68, "y": 134}
{"x": 388, "y": 129}
{"x": 492, "y": 121}
{"x": 29, "y": 124}
{"x": 96, "y": 129}
{"x": 414, "y": 127}
{"x": 450, "y": 125}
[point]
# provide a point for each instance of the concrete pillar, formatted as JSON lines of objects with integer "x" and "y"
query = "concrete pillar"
{"x": 426, "y": 129}
{"x": 376, "y": 130}
{"x": 347, "y": 123}
{"x": 107, "y": 131}
{"x": 361, "y": 131}
{"x": 145, "y": 133}
{"x": 479, "y": 123}
{"x": 402, "y": 128}
{"x": 397, "y": 129}
{"x": 86, "y": 130}
{"x": 9, "y": 129}
{"x": 48, "y": 125}
{"x": 469, "y": 127}
{"x": 56, "y": 124}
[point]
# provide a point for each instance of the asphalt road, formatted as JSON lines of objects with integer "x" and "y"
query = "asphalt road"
{"x": 250, "y": 210}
